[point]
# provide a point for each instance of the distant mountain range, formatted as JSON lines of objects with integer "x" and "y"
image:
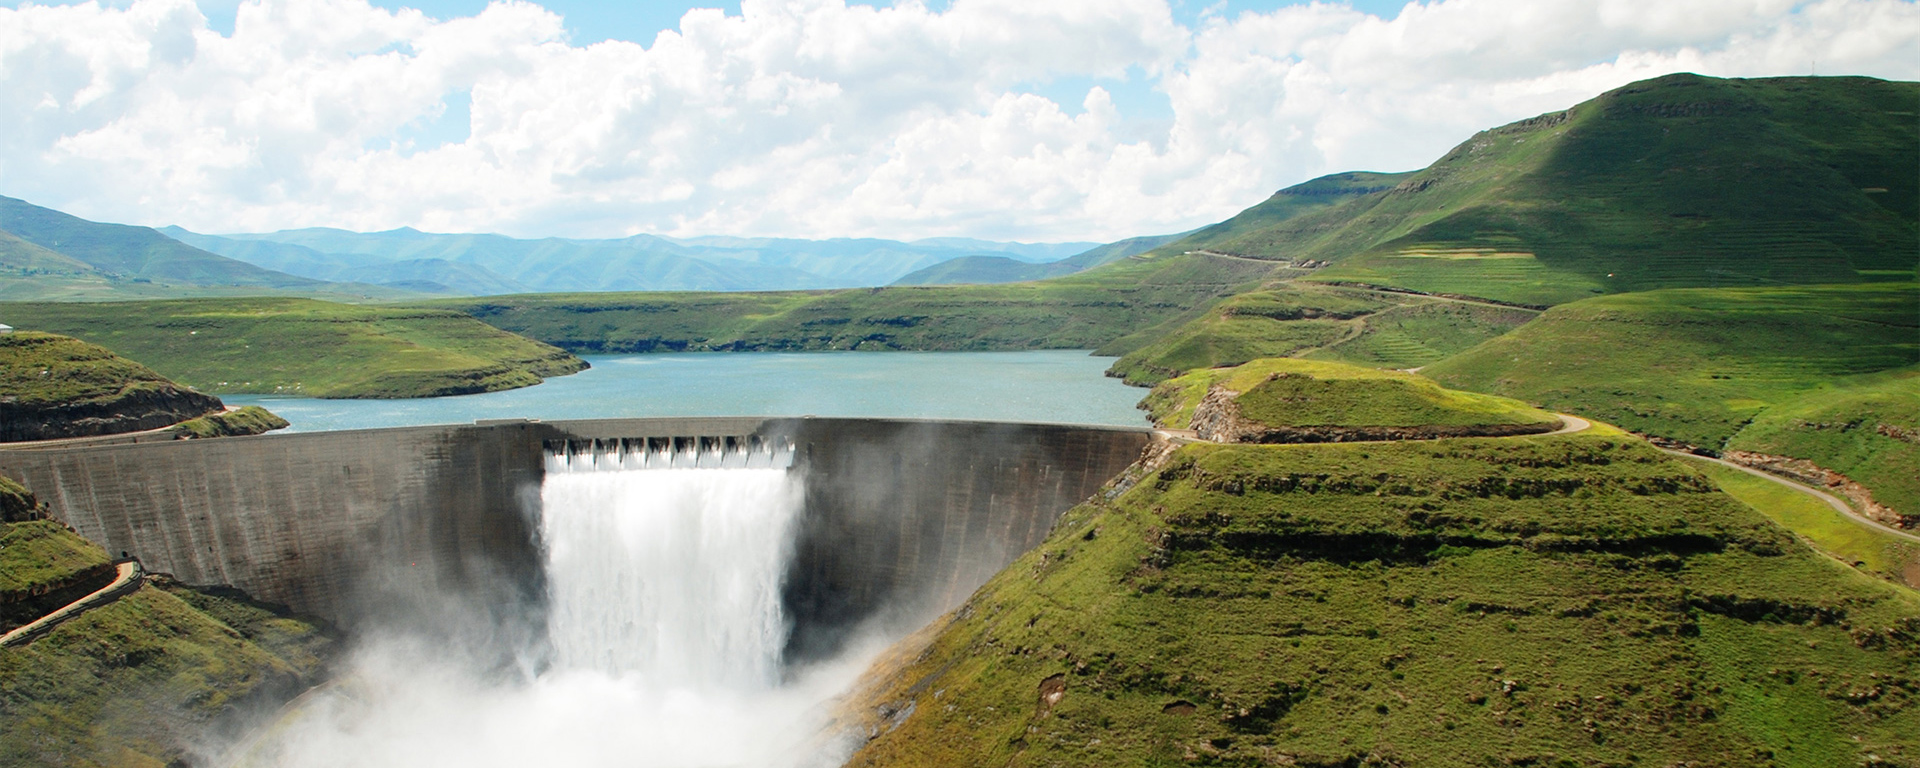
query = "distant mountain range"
{"x": 49, "y": 255}
{"x": 494, "y": 264}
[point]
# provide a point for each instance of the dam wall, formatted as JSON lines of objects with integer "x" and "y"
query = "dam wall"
{"x": 903, "y": 518}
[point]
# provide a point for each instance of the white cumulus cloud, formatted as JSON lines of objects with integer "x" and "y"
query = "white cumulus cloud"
{"x": 815, "y": 118}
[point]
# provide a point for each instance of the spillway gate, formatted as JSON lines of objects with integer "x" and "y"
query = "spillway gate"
{"x": 682, "y": 452}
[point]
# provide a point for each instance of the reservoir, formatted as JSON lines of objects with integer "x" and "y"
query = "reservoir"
{"x": 1055, "y": 386}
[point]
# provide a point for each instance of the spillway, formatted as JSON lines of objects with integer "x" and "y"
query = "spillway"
{"x": 663, "y": 648}
{"x": 673, "y": 576}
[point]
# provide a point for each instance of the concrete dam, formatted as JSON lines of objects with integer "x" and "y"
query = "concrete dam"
{"x": 900, "y": 519}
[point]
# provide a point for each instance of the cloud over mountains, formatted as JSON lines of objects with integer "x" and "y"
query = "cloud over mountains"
{"x": 812, "y": 118}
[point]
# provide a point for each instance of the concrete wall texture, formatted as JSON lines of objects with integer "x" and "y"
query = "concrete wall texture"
{"x": 904, "y": 519}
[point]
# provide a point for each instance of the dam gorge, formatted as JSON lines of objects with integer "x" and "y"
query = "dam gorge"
{"x": 706, "y": 577}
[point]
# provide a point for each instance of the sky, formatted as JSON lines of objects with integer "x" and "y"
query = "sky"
{"x": 1032, "y": 120}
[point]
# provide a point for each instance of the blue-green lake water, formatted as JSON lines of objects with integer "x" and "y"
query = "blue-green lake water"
{"x": 1061, "y": 386}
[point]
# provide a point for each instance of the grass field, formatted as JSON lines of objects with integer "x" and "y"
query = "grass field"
{"x": 1569, "y": 600}
{"x": 305, "y": 347}
{"x": 1867, "y": 429}
{"x": 1078, "y": 311}
{"x": 1843, "y": 538}
{"x": 1288, "y": 392}
{"x": 1694, "y": 365}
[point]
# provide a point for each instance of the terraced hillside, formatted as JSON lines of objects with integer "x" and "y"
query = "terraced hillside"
{"x": 1566, "y": 600}
{"x": 308, "y": 347}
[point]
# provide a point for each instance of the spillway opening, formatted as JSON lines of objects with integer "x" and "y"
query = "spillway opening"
{"x": 663, "y": 649}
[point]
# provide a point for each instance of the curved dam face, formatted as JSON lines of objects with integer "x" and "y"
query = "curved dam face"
{"x": 437, "y": 525}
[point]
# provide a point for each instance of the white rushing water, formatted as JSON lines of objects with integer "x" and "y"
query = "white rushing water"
{"x": 666, "y": 631}
{"x": 671, "y": 576}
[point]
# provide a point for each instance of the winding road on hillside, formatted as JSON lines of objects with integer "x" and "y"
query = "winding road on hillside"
{"x": 1832, "y": 501}
{"x": 128, "y": 579}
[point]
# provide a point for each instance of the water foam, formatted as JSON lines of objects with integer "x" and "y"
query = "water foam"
{"x": 666, "y": 632}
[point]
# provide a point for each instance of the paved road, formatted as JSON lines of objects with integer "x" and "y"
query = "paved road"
{"x": 130, "y": 575}
{"x": 1832, "y": 501}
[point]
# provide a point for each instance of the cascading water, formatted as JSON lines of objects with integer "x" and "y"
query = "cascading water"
{"x": 665, "y": 628}
{"x": 671, "y": 576}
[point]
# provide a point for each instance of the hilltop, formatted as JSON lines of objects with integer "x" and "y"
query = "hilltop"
{"x": 54, "y": 386}
{"x": 307, "y": 347}
{"x": 1307, "y": 401}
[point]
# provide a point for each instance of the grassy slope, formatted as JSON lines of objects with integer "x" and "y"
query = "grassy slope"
{"x": 1677, "y": 181}
{"x": 1236, "y": 234}
{"x": 1317, "y": 393}
{"x": 302, "y": 346}
{"x": 133, "y": 251}
{"x": 1084, "y": 310}
{"x": 1287, "y": 319}
{"x": 138, "y": 682}
{"x": 1574, "y": 600}
{"x": 47, "y": 369}
{"x": 1694, "y": 364}
{"x": 1826, "y": 529}
{"x": 42, "y": 552}
{"x": 1867, "y": 429}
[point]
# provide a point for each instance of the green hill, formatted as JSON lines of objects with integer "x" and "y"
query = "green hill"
{"x": 306, "y": 347}
{"x": 1678, "y": 181}
{"x": 1543, "y": 601}
{"x": 1694, "y": 364}
{"x": 1284, "y": 400}
{"x": 1867, "y": 429}
{"x": 54, "y": 386}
